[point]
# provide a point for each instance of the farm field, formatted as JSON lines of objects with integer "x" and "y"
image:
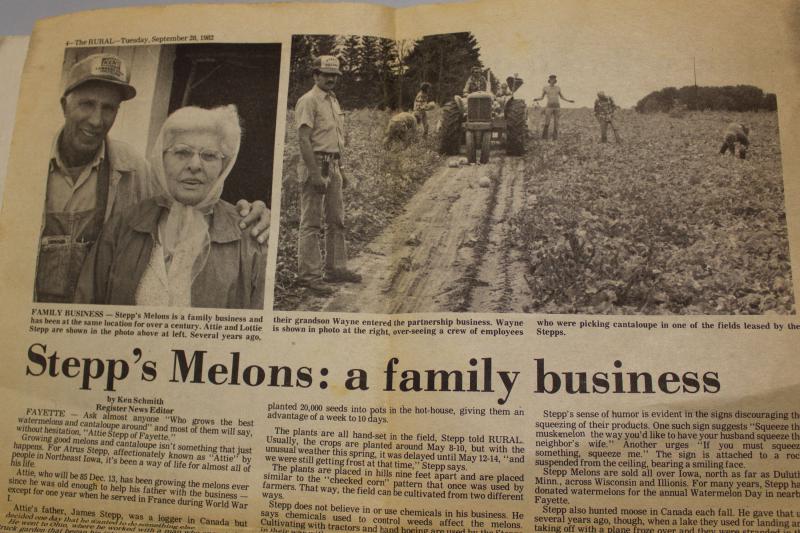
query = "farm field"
{"x": 660, "y": 224}
{"x": 383, "y": 182}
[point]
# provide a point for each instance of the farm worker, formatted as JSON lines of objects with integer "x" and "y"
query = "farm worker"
{"x": 604, "y": 108}
{"x": 320, "y": 126}
{"x": 402, "y": 127}
{"x": 92, "y": 176}
{"x": 734, "y": 133}
{"x": 421, "y": 106}
{"x": 503, "y": 90}
{"x": 476, "y": 82}
{"x": 503, "y": 94}
{"x": 553, "y": 109}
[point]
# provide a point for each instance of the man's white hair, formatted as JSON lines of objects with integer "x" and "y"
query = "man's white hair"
{"x": 222, "y": 121}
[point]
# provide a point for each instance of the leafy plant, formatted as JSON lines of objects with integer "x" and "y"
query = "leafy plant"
{"x": 660, "y": 224}
{"x": 381, "y": 183}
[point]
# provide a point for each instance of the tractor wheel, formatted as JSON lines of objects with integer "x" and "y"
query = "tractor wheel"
{"x": 486, "y": 141}
{"x": 451, "y": 132}
{"x": 471, "y": 146}
{"x": 516, "y": 127}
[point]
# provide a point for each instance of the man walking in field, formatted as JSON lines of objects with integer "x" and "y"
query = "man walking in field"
{"x": 604, "y": 108}
{"x": 553, "y": 109}
{"x": 736, "y": 132}
{"x": 320, "y": 126}
{"x": 421, "y": 107}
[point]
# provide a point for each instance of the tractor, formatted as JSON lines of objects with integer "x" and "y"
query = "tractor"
{"x": 475, "y": 119}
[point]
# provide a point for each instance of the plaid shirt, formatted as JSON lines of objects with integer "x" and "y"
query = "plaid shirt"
{"x": 604, "y": 108}
{"x": 421, "y": 101}
{"x": 475, "y": 84}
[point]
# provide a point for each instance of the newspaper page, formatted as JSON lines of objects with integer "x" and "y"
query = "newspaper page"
{"x": 500, "y": 266}
{"x": 12, "y": 58}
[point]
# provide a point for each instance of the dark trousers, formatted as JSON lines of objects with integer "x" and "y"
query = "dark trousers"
{"x": 729, "y": 144}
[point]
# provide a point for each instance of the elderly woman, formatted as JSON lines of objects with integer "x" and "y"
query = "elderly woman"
{"x": 184, "y": 246}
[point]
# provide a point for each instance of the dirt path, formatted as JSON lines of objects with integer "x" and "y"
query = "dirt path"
{"x": 451, "y": 250}
{"x": 503, "y": 286}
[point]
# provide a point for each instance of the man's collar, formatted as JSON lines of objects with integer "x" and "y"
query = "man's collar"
{"x": 56, "y": 159}
{"x": 319, "y": 93}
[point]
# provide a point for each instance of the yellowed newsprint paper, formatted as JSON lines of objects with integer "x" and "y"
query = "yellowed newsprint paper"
{"x": 529, "y": 266}
{"x": 12, "y": 58}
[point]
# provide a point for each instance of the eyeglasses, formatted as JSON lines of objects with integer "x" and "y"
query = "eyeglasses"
{"x": 186, "y": 153}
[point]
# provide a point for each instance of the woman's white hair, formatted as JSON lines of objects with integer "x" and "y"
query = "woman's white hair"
{"x": 183, "y": 231}
{"x": 222, "y": 121}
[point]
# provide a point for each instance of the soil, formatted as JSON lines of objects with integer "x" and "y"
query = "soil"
{"x": 451, "y": 250}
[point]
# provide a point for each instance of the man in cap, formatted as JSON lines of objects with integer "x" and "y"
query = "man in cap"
{"x": 91, "y": 176}
{"x": 320, "y": 126}
{"x": 553, "y": 109}
{"x": 604, "y": 108}
{"x": 736, "y": 133}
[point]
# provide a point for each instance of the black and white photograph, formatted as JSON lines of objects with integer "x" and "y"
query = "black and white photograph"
{"x": 159, "y": 180}
{"x": 445, "y": 174}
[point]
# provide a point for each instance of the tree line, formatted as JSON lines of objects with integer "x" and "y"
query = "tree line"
{"x": 727, "y": 98}
{"x": 384, "y": 73}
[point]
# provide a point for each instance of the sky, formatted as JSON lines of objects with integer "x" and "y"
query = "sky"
{"x": 629, "y": 49}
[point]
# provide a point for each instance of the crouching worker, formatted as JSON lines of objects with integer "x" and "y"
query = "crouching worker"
{"x": 401, "y": 128}
{"x": 734, "y": 133}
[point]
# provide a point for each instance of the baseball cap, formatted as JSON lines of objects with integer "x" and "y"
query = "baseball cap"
{"x": 326, "y": 64}
{"x": 101, "y": 67}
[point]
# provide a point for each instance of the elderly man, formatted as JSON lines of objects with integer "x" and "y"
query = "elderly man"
{"x": 320, "y": 126}
{"x": 553, "y": 109}
{"x": 92, "y": 176}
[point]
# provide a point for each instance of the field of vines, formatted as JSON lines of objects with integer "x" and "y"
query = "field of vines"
{"x": 660, "y": 224}
{"x": 381, "y": 183}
